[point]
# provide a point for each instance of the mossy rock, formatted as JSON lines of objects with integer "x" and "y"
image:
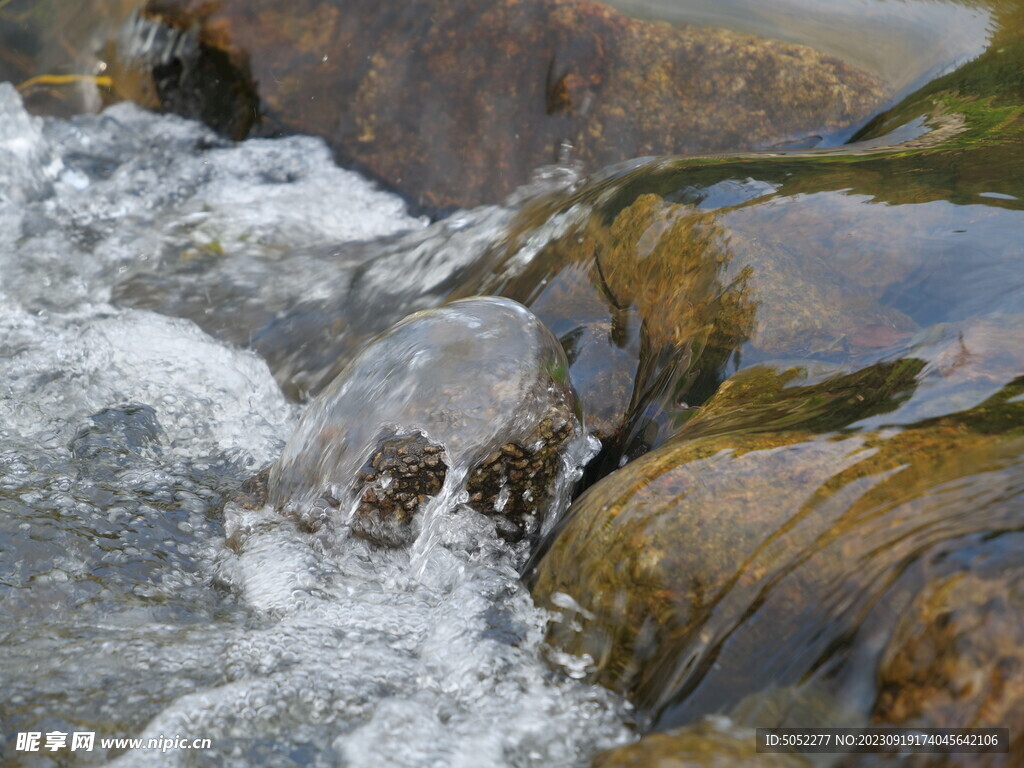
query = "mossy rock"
{"x": 956, "y": 660}
{"x": 844, "y": 256}
{"x": 741, "y": 559}
{"x": 639, "y": 303}
{"x": 655, "y": 303}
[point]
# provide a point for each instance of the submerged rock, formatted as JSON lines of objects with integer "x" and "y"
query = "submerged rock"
{"x": 455, "y": 103}
{"x": 655, "y": 300}
{"x": 472, "y": 396}
{"x": 956, "y": 658}
{"x": 837, "y": 258}
{"x": 641, "y": 304}
{"x": 761, "y": 549}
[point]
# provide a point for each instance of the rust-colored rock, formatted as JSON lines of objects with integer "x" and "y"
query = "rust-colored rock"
{"x": 455, "y": 103}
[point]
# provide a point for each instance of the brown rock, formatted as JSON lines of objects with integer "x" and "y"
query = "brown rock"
{"x": 455, "y": 103}
{"x": 639, "y": 302}
{"x": 956, "y": 660}
{"x": 402, "y": 473}
{"x": 510, "y": 483}
{"x": 653, "y": 300}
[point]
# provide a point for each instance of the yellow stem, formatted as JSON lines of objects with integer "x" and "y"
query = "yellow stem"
{"x": 100, "y": 80}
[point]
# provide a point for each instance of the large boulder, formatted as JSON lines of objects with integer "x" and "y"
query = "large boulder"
{"x": 457, "y": 102}
{"x": 654, "y": 300}
{"x": 764, "y": 550}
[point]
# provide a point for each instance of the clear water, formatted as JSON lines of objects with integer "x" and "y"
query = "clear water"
{"x": 469, "y": 376}
{"x": 906, "y": 42}
{"x": 122, "y": 434}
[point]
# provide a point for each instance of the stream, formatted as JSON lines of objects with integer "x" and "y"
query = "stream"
{"x": 842, "y": 348}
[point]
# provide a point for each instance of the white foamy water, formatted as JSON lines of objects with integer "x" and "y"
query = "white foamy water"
{"x": 90, "y": 201}
{"x": 123, "y": 433}
{"x": 471, "y": 376}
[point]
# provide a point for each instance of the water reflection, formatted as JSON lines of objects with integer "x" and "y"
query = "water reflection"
{"x": 819, "y": 352}
{"x": 906, "y": 43}
{"x": 833, "y": 535}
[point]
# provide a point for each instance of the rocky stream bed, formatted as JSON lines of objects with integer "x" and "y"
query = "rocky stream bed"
{"x": 528, "y": 383}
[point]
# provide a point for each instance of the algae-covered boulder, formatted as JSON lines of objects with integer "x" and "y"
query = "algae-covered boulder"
{"x": 760, "y": 550}
{"x": 457, "y": 102}
{"x": 956, "y": 658}
{"x": 472, "y": 396}
{"x": 840, "y": 257}
{"x": 657, "y": 301}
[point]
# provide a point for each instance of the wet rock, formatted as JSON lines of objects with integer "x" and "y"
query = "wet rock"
{"x": 843, "y": 262}
{"x": 456, "y": 103}
{"x": 656, "y": 300}
{"x": 403, "y": 473}
{"x": 817, "y": 398}
{"x": 470, "y": 396}
{"x": 702, "y": 745}
{"x": 253, "y": 493}
{"x": 955, "y": 660}
{"x": 641, "y": 304}
{"x": 242, "y": 507}
{"x": 755, "y": 554}
{"x": 510, "y": 482}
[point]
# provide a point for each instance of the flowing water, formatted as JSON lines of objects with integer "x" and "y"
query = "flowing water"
{"x": 168, "y": 298}
{"x": 123, "y": 433}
